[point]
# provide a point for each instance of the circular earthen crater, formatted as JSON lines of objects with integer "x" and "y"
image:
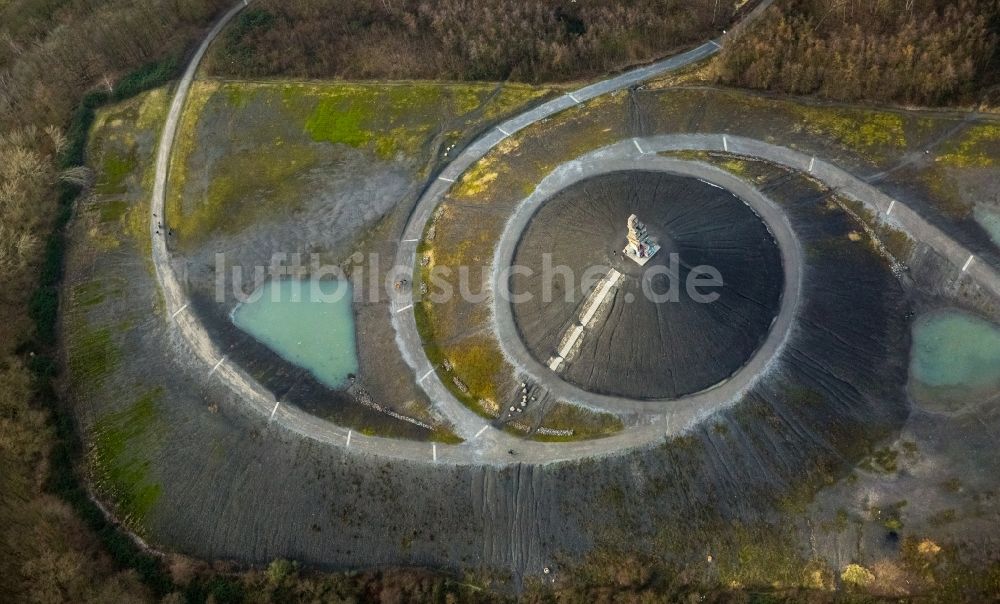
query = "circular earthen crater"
{"x": 681, "y": 323}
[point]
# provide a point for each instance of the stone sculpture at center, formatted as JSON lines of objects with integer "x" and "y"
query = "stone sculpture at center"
{"x": 641, "y": 247}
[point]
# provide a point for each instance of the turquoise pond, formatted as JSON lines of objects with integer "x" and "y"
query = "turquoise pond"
{"x": 955, "y": 360}
{"x": 308, "y": 323}
{"x": 989, "y": 220}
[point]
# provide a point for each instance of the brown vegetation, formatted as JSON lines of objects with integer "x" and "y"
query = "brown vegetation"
{"x": 51, "y": 53}
{"x": 926, "y": 52}
{"x": 523, "y": 40}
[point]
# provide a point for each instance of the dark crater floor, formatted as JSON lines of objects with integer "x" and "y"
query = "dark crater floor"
{"x": 637, "y": 346}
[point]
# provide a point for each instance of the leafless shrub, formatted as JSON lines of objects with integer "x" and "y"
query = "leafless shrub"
{"x": 926, "y": 52}
{"x": 77, "y": 175}
{"x": 527, "y": 40}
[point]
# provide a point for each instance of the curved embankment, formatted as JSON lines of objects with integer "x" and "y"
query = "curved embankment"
{"x": 468, "y": 424}
{"x": 626, "y": 156}
{"x": 485, "y": 445}
{"x": 641, "y": 153}
{"x": 193, "y": 334}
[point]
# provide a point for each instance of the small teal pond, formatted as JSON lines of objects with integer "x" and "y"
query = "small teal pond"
{"x": 988, "y": 219}
{"x": 955, "y": 360}
{"x": 308, "y": 323}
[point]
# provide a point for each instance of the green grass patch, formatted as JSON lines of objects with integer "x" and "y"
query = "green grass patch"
{"x": 514, "y": 96}
{"x": 436, "y": 355}
{"x": 978, "y": 147}
{"x": 238, "y": 97}
{"x": 391, "y": 121}
{"x": 246, "y": 188}
{"x": 153, "y": 108}
{"x": 468, "y": 98}
{"x": 446, "y": 436}
{"x": 387, "y": 119}
{"x": 93, "y": 353}
{"x": 115, "y": 169}
{"x": 87, "y": 294}
{"x": 120, "y": 473}
{"x": 584, "y": 423}
{"x": 944, "y": 192}
{"x": 882, "y": 461}
{"x": 399, "y": 118}
{"x": 112, "y": 210}
{"x": 687, "y": 155}
{"x": 868, "y": 132}
{"x": 62, "y": 478}
{"x": 339, "y": 121}
{"x": 747, "y": 168}
{"x": 871, "y": 133}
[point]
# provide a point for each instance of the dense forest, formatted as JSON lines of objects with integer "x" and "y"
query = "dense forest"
{"x": 922, "y": 52}
{"x": 524, "y": 40}
{"x": 54, "y": 54}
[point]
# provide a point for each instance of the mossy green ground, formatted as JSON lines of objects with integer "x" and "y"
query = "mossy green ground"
{"x": 583, "y": 422}
{"x": 116, "y": 168}
{"x": 120, "y": 152}
{"x": 977, "y": 147}
{"x": 87, "y": 293}
{"x": 95, "y": 324}
{"x": 267, "y": 170}
{"x": 93, "y": 353}
{"x": 870, "y": 135}
{"x": 869, "y": 131}
{"x": 116, "y": 456}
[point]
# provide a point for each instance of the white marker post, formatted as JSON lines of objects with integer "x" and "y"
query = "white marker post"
{"x": 217, "y": 365}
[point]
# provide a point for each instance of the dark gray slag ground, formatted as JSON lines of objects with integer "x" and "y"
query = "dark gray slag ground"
{"x": 349, "y": 202}
{"x": 642, "y": 347}
{"x": 236, "y": 487}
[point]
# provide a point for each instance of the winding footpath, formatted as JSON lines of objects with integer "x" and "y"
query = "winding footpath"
{"x": 483, "y": 444}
